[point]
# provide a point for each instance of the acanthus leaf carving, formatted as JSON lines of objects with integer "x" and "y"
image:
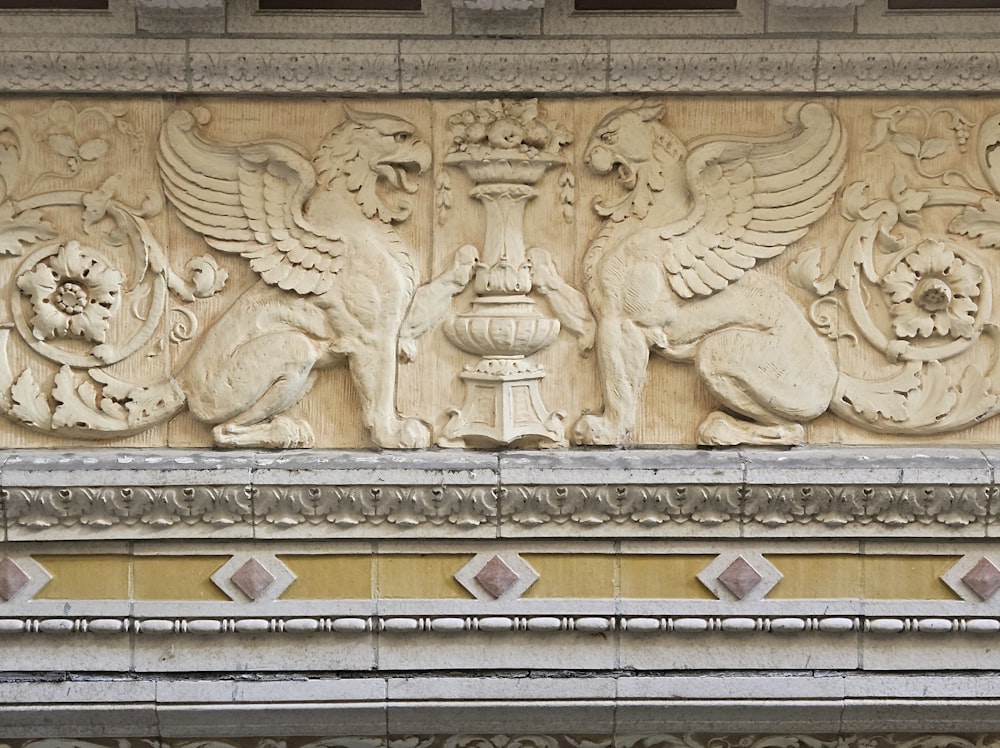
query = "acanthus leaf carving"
{"x": 103, "y": 507}
{"x": 665, "y": 510}
{"x": 515, "y": 739}
{"x": 981, "y": 223}
{"x": 21, "y": 229}
{"x": 937, "y": 291}
{"x": 26, "y": 402}
{"x": 352, "y": 506}
{"x": 10, "y": 154}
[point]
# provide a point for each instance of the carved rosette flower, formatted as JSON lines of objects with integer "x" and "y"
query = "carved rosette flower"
{"x": 72, "y": 294}
{"x": 932, "y": 291}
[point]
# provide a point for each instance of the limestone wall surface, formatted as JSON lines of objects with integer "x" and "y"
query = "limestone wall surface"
{"x": 498, "y": 376}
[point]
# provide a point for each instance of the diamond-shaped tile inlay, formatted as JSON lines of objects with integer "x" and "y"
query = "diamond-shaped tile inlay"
{"x": 983, "y": 578}
{"x": 496, "y": 577}
{"x": 12, "y": 579}
{"x": 253, "y": 576}
{"x": 252, "y": 579}
{"x": 740, "y": 578}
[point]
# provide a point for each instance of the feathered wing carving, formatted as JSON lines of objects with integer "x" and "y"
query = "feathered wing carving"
{"x": 752, "y": 199}
{"x": 248, "y": 199}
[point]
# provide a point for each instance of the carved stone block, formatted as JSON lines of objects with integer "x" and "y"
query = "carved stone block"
{"x": 396, "y": 273}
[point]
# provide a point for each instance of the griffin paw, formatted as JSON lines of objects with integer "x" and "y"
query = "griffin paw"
{"x": 281, "y": 432}
{"x": 722, "y": 430}
{"x": 411, "y": 433}
{"x": 596, "y": 431}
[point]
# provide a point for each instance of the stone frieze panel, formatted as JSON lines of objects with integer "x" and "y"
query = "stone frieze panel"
{"x": 409, "y": 273}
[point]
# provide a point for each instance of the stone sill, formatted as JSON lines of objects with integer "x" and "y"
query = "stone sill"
{"x": 846, "y": 492}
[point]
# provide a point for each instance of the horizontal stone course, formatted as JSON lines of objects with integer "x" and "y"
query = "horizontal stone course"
{"x": 834, "y": 492}
{"x": 613, "y": 709}
{"x": 561, "y": 66}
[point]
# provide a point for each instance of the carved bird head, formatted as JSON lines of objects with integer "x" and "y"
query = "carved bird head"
{"x": 379, "y": 158}
{"x": 629, "y": 137}
{"x": 633, "y": 143}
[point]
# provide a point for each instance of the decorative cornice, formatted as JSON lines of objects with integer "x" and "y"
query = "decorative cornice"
{"x": 307, "y": 66}
{"x": 812, "y": 492}
{"x": 462, "y": 66}
{"x": 752, "y": 66}
{"x": 919, "y": 72}
{"x": 559, "y": 66}
{"x": 67, "y": 71}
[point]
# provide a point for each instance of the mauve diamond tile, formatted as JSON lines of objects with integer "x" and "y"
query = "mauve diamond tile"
{"x": 983, "y": 578}
{"x": 740, "y": 578}
{"x": 496, "y": 577}
{"x": 252, "y": 579}
{"x": 12, "y": 578}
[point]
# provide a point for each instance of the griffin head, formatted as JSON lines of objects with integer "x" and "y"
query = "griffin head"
{"x": 378, "y": 158}
{"x": 632, "y": 142}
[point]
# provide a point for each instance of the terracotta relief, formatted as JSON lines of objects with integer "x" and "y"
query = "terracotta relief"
{"x": 674, "y": 271}
{"x": 506, "y": 149}
{"x": 404, "y": 273}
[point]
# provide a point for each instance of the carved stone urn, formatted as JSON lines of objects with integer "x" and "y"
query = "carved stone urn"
{"x": 505, "y": 151}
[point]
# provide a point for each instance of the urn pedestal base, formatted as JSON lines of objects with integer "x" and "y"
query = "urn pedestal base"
{"x": 503, "y": 407}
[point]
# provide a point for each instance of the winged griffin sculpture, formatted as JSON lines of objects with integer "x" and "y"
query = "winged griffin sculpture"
{"x": 335, "y": 280}
{"x": 672, "y": 270}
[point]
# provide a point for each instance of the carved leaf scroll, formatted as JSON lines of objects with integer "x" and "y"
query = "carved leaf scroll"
{"x": 981, "y": 223}
{"x": 21, "y": 230}
{"x": 28, "y": 404}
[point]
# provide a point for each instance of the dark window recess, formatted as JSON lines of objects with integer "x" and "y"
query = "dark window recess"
{"x": 655, "y": 4}
{"x": 339, "y": 5}
{"x": 53, "y": 4}
{"x": 943, "y": 4}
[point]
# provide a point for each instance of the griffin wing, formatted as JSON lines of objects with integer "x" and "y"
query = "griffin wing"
{"x": 752, "y": 199}
{"x": 248, "y": 199}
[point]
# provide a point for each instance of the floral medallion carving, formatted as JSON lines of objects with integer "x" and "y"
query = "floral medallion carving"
{"x": 73, "y": 293}
{"x": 933, "y": 291}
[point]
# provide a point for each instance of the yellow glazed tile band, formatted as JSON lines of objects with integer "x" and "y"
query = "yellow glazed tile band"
{"x": 329, "y": 577}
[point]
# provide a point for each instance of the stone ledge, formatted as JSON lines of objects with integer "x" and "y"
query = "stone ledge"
{"x": 622, "y": 709}
{"x": 816, "y": 492}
